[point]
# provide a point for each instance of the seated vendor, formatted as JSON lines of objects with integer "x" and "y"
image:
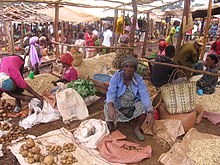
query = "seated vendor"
{"x": 161, "y": 47}
{"x": 160, "y": 74}
{"x": 12, "y": 81}
{"x": 69, "y": 72}
{"x": 128, "y": 98}
{"x": 208, "y": 83}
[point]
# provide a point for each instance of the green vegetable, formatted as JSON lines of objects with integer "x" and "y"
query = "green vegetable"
{"x": 83, "y": 87}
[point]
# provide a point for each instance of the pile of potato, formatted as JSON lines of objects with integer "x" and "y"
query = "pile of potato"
{"x": 68, "y": 159}
{"x": 31, "y": 151}
{"x": 14, "y": 132}
{"x": 69, "y": 147}
{"x": 4, "y": 109}
{"x": 56, "y": 149}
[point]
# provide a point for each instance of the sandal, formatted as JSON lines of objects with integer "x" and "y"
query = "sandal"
{"x": 139, "y": 135}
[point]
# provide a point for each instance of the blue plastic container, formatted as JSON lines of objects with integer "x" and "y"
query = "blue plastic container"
{"x": 200, "y": 92}
{"x": 102, "y": 77}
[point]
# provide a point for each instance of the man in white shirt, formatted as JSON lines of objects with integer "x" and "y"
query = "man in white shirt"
{"x": 107, "y": 38}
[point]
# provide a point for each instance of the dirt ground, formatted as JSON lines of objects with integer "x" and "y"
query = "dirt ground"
{"x": 126, "y": 128}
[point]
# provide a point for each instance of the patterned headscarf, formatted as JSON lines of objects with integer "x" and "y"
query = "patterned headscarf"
{"x": 129, "y": 58}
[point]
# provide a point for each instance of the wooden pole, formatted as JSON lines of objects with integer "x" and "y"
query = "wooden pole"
{"x": 57, "y": 52}
{"x": 185, "y": 11}
{"x": 123, "y": 24}
{"x": 202, "y": 27}
{"x": 114, "y": 28}
{"x": 22, "y": 37}
{"x": 151, "y": 27}
{"x": 206, "y": 30}
{"x": 7, "y": 27}
{"x": 180, "y": 66}
{"x": 146, "y": 35}
{"x": 134, "y": 5}
{"x": 62, "y": 35}
{"x": 12, "y": 37}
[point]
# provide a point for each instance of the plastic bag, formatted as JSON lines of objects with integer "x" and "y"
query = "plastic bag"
{"x": 46, "y": 115}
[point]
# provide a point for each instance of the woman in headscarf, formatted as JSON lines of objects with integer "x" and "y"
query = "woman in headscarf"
{"x": 34, "y": 54}
{"x": 208, "y": 83}
{"x": 161, "y": 47}
{"x": 128, "y": 98}
{"x": 69, "y": 72}
{"x": 12, "y": 81}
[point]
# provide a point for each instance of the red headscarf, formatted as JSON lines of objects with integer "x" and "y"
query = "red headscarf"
{"x": 67, "y": 58}
{"x": 163, "y": 44}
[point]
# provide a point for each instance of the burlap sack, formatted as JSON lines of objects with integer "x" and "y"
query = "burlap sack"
{"x": 177, "y": 155}
{"x": 165, "y": 131}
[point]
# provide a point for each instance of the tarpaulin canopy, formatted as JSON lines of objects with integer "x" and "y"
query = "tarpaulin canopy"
{"x": 143, "y": 5}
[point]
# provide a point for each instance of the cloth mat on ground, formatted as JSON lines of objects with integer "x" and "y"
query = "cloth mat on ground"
{"x": 59, "y": 137}
{"x": 114, "y": 148}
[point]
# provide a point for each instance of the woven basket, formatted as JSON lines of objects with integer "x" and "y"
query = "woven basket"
{"x": 179, "y": 98}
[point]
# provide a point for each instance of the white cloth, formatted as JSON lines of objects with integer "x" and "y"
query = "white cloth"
{"x": 46, "y": 115}
{"x": 107, "y": 38}
{"x": 59, "y": 137}
{"x": 81, "y": 42}
{"x": 71, "y": 105}
{"x": 90, "y": 132}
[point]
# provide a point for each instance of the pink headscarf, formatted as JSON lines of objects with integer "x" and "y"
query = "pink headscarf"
{"x": 34, "y": 59}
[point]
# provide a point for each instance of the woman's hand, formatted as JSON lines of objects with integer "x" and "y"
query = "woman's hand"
{"x": 111, "y": 111}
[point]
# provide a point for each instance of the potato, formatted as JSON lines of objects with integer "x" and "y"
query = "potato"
{"x": 30, "y": 155}
{"x": 24, "y": 153}
{"x": 37, "y": 157}
{"x": 41, "y": 158}
{"x": 35, "y": 150}
{"x": 2, "y": 110}
{"x": 30, "y": 143}
{"x": 31, "y": 160}
{"x": 42, "y": 163}
{"x": 49, "y": 160}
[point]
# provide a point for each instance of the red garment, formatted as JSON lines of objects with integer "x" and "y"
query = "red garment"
{"x": 89, "y": 40}
{"x": 216, "y": 47}
{"x": 112, "y": 147}
{"x": 67, "y": 58}
{"x": 11, "y": 65}
{"x": 70, "y": 74}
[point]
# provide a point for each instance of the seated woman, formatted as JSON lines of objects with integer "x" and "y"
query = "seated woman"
{"x": 208, "y": 83}
{"x": 161, "y": 47}
{"x": 12, "y": 81}
{"x": 160, "y": 74}
{"x": 69, "y": 72}
{"x": 128, "y": 98}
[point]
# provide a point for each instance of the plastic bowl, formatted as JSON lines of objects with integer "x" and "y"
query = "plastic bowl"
{"x": 102, "y": 77}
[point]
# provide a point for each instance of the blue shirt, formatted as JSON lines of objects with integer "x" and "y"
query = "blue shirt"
{"x": 138, "y": 86}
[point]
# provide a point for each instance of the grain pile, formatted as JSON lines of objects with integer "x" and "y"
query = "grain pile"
{"x": 98, "y": 64}
{"x": 41, "y": 83}
{"x": 210, "y": 102}
{"x": 205, "y": 152}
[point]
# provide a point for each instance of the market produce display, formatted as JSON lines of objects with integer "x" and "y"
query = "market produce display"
{"x": 4, "y": 109}
{"x": 67, "y": 159}
{"x": 205, "y": 151}
{"x": 41, "y": 83}
{"x": 98, "y": 64}
{"x": 83, "y": 87}
{"x": 11, "y": 132}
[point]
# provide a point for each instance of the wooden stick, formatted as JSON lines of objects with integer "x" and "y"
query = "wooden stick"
{"x": 111, "y": 47}
{"x": 146, "y": 36}
{"x": 56, "y": 29}
{"x": 206, "y": 30}
{"x": 134, "y": 5}
{"x": 183, "y": 67}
